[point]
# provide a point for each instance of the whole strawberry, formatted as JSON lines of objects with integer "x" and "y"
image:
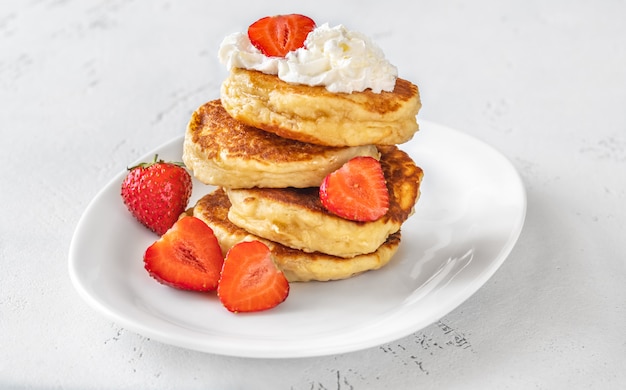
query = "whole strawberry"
{"x": 156, "y": 193}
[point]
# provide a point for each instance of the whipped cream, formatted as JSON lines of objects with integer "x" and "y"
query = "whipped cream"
{"x": 334, "y": 57}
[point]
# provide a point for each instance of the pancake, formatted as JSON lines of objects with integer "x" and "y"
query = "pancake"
{"x": 297, "y": 266}
{"x": 296, "y": 218}
{"x": 224, "y": 152}
{"x": 315, "y": 115}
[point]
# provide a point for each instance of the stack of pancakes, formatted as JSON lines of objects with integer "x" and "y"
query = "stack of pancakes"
{"x": 267, "y": 145}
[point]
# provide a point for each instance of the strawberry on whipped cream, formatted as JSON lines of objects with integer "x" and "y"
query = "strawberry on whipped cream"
{"x": 334, "y": 57}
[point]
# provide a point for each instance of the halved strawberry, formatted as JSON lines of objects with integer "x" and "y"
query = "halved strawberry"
{"x": 187, "y": 256}
{"x": 357, "y": 191}
{"x": 250, "y": 280}
{"x": 275, "y": 36}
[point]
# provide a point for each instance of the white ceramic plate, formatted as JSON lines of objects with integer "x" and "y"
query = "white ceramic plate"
{"x": 467, "y": 220}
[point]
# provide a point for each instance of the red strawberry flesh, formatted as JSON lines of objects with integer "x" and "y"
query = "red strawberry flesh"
{"x": 275, "y": 36}
{"x": 186, "y": 257}
{"x": 250, "y": 280}
{"x": 357, "y": 191}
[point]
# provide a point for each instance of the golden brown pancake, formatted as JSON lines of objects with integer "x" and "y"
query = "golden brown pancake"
{"x": 297, "y": 266}
{"x": 297, "y": 219}
{"x": 224, "y": 152}
{"x": 315, "y": 115}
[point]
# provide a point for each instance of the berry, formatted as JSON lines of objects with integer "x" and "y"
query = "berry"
{"x": 275, "y": 36}
{"x": 250, "y": 280}
{"x": 186, "y": 257}
{"x": 357, "y": 191}
{"x": 157, "y": 193}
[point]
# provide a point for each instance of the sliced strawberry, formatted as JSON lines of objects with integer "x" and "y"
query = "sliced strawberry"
{"x": 250, "y": 280}
{"x": 275, "y": 36}
{"x": 187, "y": 256}
{"x": 357, "y": 191}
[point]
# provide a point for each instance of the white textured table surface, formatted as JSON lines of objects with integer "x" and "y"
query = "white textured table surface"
{"x": 88, "y": 86}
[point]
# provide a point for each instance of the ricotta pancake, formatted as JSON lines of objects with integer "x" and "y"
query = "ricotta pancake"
{"x": 296, "y": 218}
{"x": 222, "y": 151}
{"x": 315, "y": 115}
{"x": 298, "y": 266}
